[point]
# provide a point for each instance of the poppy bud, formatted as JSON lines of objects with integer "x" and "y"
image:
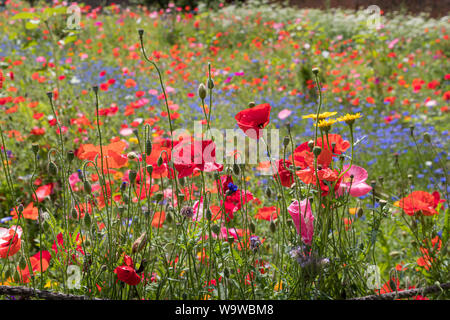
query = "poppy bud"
{"x": 70, "y": 156}
{"x": 286, "y": 141}
{"x": 87, "y": 220}
{"x": 215, "y": 228}
{"x": 359, "y": 212}
{"x": 50, "y": 95}
{"x": 132, "y": 176}
{"x": 22, "y": 263}
{"x": 182, "y": 181}
{"x": 236, "y": 169}
{"x": 139, "y": 244}
{"x": 132, "y": 155}
{"x": 272, "y": 226}
{"x": 87, "y": 187}
{"x": 310, "y": 145}
{"x": 52, "y": 168}
{"x": 187, "y": 212}
{"x": 208, "y": 214}
{"x": 149, "y": 169}
{"x": 202, "y": 91}
{"x": 251, "y": 104}
{"x": 169, "y": 218}
{"x": 158, "y": 197}
{"x": 230, "y": 240}
{"x": 268, "y": 192}
{"x": 123, "y": 186}
{"x": 427, "y": 137}
{"x": 35, "y": 148}
{"x": 317, "y": 150}
{"x": 216, "y": 176}
{"x": 141, "y": 32}
{"x": 160, "y": 161}
{"x": 226, "y": 272}
{"x": 148, "y": 147}
{"x": 210, "y": 84}
{"x": 411, "y": 130}
{"x": 252, "y": 227}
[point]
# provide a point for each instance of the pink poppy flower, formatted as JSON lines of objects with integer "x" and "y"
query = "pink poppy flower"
{"x": 357, "y": 186}
{"x": 307, "y": 219}
{"x": 283, "y": 114}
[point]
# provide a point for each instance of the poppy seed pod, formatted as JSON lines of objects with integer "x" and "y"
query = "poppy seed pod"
{"x": 286, "y": 141}
{"x": 95, "y": 88}
{"x": 226, "y": 272}
{"x": 187, "y": 212}
{"x": 22, "y": 263}
{"x": 310, "y": 145}
{"x": 50, "y": 95}
{"x": 315, "y": 71}
{"x": 252, "y": 227}
{"x": 230, "y": 240}
{"x": 20, "y": 208}
{"x": 149, "y": 169}
{"x": 141, "y": 32}
{"x": 202, "y": 91}
{"x": 35, "y": 148}
{"x": 251, "y": 104}
{"x": 317, "y": 150}
{"x": 427, "y": 137}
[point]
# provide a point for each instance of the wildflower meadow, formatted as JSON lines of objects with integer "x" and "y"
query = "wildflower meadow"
{"x": 223, "y": 151}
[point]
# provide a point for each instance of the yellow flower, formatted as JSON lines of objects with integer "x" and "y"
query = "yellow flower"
{"x": 350, "y": 118}
{"x": 118, "y": 175}
{"x": 326, "y": 124}
{"x": 321, "y": 115}
{"x": 133, "y": 140}
{"x": 278, "y": 286}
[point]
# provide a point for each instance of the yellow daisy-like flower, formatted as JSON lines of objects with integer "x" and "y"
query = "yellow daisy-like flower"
{"x": 350, "y": 118}
{"x": 133, "y": 140}
{"x": 326, "y": 124}
{"x": 321, "y": 115}
{"x": 278, "y": 286}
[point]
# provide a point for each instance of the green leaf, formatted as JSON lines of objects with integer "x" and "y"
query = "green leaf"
{"x": 25, "y": 15}
{"x": 31, "y": 25}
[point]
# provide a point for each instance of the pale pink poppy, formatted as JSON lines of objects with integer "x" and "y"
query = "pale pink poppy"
{"x": 283, "y": 114}
{"x": 307, "y": 218}
{"x": 355, "y": 186}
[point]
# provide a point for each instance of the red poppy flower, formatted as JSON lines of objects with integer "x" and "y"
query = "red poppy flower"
{"x": 267, "y": 213}
{"x": 334, "y": 143}
{"x": 128, "y": 275}
{"x": 419, "y": 201}
{"x": 30, "y": 212}
{"x": 196, "y": 156}
{"x": 10, "y": 241}
{"x": 36, "y": 264}
{"x": 286, "y": 177}
{"x": 43, "y": 192}
{"x": 252, "y": 120}
{"x": 112, "y": 154}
